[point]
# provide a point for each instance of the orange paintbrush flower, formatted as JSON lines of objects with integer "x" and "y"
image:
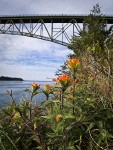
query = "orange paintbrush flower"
{"x": 35, "y": 86}
{"x": 73, "y": 63}
{"x": 55, "y": 80}
{"x": 58, "y": 117}
{"x": 64, "y": 77}
{"x": 64, "y": 80}
{"x": 48, "y": 88}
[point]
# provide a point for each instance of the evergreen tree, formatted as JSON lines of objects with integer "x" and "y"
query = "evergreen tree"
{"x": 94, "y": 33}
{"x": 94, "y": 37}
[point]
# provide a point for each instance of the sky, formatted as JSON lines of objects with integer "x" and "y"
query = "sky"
{"x": 35, "y": 59}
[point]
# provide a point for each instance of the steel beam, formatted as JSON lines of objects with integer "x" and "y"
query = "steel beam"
{"x": 44, "y": 26}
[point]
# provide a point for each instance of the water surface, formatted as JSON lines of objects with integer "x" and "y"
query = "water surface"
{"x": 19, "y": 94}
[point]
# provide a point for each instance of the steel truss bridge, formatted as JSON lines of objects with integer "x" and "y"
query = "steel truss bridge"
{"x": 55, "y": 28}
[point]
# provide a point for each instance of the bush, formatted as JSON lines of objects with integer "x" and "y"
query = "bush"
{"x": 75, "y": 118}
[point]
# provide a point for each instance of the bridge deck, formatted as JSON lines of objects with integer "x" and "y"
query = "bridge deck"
{"x": 49, "y": 18}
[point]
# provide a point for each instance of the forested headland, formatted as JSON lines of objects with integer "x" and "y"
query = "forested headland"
{"x": 4, "y": 78}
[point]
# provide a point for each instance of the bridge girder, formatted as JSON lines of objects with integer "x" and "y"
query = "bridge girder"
{"x": 58, "y": 28}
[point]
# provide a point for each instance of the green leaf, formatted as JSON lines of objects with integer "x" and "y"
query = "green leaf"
{"x": 48, "y": 117}
{"x": 90, "y": 126}
{"x": 69, "y": 116}
{"x": 71, "y": 148}
{"x": 27, "y": 90}
{"x": 10, "y": 140}
{"x": 2, "y": 145}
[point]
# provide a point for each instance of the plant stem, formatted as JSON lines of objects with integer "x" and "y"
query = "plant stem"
{"x": 31, "y": 107}
{"x": 73, "y": 91}
{"x": 61, "y": 99}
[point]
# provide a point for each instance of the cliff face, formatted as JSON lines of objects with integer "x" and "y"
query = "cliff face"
{"x": 2, "y": 78}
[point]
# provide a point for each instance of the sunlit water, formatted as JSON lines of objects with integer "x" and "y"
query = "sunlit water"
{"x": 18, "y": 89}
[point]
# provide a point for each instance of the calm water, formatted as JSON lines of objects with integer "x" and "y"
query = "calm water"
{"x": 19, "y": 94}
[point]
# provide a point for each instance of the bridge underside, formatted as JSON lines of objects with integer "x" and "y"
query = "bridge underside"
{"x": 57, "y": 29}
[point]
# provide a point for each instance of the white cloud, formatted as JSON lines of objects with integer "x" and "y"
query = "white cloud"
{"x": 27, "y": 57}
{"x": 13, "y": 46}
{"x": 33, "y": 58}
{"x": 39, "y": 72}
{"x": 52, "y": 6}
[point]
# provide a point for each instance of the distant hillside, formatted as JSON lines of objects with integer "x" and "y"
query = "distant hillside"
{"x": 2, "y": 78}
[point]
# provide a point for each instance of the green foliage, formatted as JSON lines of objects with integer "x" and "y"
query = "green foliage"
{"x": 76, "y": 118}
{"x": 94, "y": 49}
{"x": 94, "y": 31}
{"x": 95, "y": 38}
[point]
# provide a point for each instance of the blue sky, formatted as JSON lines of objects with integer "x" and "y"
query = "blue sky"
{"x": 34, "y": 59}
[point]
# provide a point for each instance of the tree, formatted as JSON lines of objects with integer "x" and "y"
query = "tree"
{"x": 94, "y": 48}
{"x": 93, "y": 37}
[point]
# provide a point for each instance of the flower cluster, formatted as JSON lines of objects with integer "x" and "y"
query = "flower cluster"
{"x": 35, "y": 87}
{"x": 73, "y": 64}
{"x": 48, "y": 88}
{"x": 64, "y": 80}
{"x": 58, "y": 117}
